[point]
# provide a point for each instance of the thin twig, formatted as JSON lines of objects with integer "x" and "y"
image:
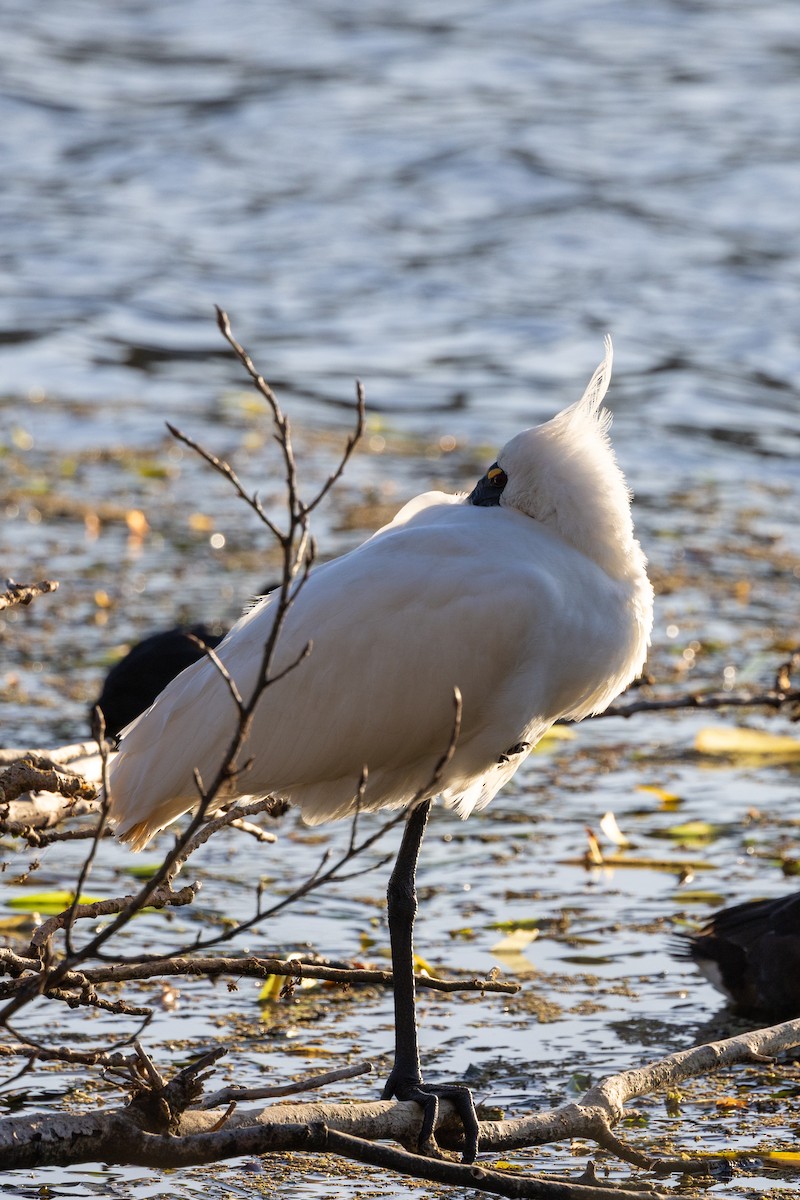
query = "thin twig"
{"x": 309, "y": 1083}
{"x": 102, "y": 822}
{"x": 24, "y": 593}
{"x": 228, "y": 473}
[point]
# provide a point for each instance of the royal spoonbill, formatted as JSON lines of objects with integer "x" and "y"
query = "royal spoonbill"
{"x": 751, "y": 953}
{"x": 529, "y": 595}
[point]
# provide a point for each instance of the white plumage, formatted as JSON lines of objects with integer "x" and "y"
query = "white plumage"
{"x": 536, "y": 607}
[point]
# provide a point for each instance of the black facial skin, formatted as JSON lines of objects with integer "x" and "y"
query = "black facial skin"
{"x": 487, "y": 491}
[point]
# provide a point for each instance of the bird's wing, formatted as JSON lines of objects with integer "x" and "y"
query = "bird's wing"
{"x": 451, "y": 597}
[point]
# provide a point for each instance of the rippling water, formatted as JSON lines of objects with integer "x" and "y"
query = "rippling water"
{"x": 453, "y": 202}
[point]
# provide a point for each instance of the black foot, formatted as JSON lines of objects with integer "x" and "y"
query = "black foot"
{"x": 428, "y": 1095}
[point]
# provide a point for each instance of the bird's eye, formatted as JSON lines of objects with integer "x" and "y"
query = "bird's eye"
{"x": 488, "y": 490}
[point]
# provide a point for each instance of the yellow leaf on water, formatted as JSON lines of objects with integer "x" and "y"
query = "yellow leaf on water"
{"x": 422, "y": 967}
{"x": 271, "y": 988}
{"x": 668, "y": 799}
{"x": 732, "y": 1102}
{"x": 515, "y": 941}
{"x": 703, "y": 896}
{"x": 49, "y": 903}
{"x": 690, "y": 831}
{"x": 746, "y": 742}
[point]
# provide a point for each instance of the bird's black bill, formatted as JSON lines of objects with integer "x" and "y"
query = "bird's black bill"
{"x": 489, "y": 489}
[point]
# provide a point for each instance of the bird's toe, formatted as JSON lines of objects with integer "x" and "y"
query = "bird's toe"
{"x": 427, "y": 1096}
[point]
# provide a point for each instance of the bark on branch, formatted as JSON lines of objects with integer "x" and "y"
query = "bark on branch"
{"x": 196, "y": 1134}
{"x": 24, "y": 593}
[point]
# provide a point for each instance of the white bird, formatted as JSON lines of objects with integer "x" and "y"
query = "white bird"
{"x": 529, "y": 595}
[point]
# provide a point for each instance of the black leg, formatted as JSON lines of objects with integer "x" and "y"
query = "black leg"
{"x": 405, "y": 1080}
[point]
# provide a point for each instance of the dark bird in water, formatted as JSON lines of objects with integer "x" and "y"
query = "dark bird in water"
{"x": 751, "y": 953}
{"x": 136, "y": 680}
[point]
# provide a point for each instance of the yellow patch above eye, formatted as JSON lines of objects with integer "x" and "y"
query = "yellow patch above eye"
{"x": 494, "y": 472}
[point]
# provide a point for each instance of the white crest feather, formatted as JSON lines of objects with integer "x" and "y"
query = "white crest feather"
{"x": 597, "y": 386}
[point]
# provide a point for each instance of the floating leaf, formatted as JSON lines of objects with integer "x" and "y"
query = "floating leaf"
{"x": 523, "y": 923}
{"x": 516, "y": 941}
{"x": 311, "y": 1051}
{"x": 49, "y": 903}
{"x": 713, "y": 899}
{"x": 609, "y": 826}
{"x": 517, "y": 965}
{"x": 690, "y": 831}
{"x": 747, "y": 743}
{"x": 142, "y": 870}
{"x": 732, "y": 1102}
{"x": 579, "y": 1083}
{"x": 668, "y": 799}
{"x": 646, "y": 864}
{"x": 422, "y": 967}
{"x": 271, "y": 988}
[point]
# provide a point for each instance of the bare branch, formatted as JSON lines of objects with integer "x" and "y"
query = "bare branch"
{"x": 232, "y": 817}
{"x": 164, "y": 898}
{"x": 352, "y": 442}
{"x": 709, "y": 701}
{"x": 59, "y": 757}
{"x": 27, "y": 775}
{"x": 24, "y": 593}
{"x": 237, "y": 1095}
{"x": 228, "y": 473}
{"x": 68, "y": 1054}
{"x": 99, "y": 832}
{"x": 221, "y": 669}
